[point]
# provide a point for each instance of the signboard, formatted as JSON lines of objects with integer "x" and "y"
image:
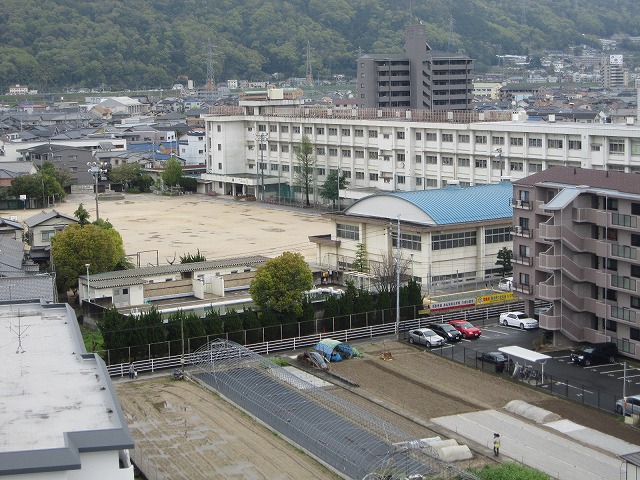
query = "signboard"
{"x": 482, "y": 300}
{"x": 616, "y": 59}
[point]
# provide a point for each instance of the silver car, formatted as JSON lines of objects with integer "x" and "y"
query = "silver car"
{"x": 425, "y": 336}
{"x": 628, "y": 405}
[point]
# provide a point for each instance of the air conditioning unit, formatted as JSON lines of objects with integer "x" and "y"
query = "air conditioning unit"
{"x": 518, "y": 203}
{"x": 518, "y": 229}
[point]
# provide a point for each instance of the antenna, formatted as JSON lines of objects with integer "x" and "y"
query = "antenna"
{"x": 309, "y": 70}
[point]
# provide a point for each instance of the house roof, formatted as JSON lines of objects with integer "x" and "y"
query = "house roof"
{"x": 6, "y": 222}
{"x": 45, "y": 216}
{"x": 440, "y": 206}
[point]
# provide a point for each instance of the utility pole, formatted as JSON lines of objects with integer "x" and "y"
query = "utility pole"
{"x": 261, "y": 137}
{"x": 398, "y": 253}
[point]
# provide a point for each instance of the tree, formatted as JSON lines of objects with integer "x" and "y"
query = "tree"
{"x": 77, "y": 246}
{"x": 385, "y": 273}
{"x": 172, "y": 171}
{"x": 330, "y": 187}
{"x": 361, "y": 264}
{"x": 306, "y": 163}
{"x": 39, "y": 185}
{"x": 82, "y": 215}
{"x": 504, "y": 259}
{"x": 62, "y": 176}
{"x": 280, "y": 284}
{"x": 190, "y": 258}
{"x": 126, "y": 174}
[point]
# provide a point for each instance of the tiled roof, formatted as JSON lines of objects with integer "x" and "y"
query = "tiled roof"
{"x": 622, "y": 182}
{"x": 43, "y": 216}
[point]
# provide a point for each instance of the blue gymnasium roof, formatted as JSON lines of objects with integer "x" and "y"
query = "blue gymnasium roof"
{"x": 441, "y": 206}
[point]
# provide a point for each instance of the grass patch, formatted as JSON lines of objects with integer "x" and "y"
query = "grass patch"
{"x": 281, "y": 362}
{"x": 509, "y": 471}
{"x": 93, "y": 340}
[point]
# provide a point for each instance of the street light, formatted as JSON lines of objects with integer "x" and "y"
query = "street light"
{"x": 88, "y": 291}
{"x": 498, "y": 155}
{"x": 261, "y": 137}
{"x": 96, "y": 170}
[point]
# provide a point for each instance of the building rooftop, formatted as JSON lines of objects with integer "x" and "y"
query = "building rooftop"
{"x": 610, "y": 180}
{"x": 56, "y": 399}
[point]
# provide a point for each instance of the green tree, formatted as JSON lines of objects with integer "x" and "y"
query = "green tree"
{"x": 281, "y": 282}
{"x": 62, "y": 176}
{"x": 504, "y": 260}
{"x": 126, "y": 174}
{"x": 189, "y": 258}
{"x": 329, "y": 190}
{"x": 361, "y": 264}
{"x": 172, "y": 171}
{"x": 75, "y": 246}
{"x": 306, "y": 163}
{"x": 82, "y": 215}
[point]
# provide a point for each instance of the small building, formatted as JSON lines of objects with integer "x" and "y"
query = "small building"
{"x": 11, "y": 228}
{"x": 18, "y": 90}
{"x": 60, "y": 415}
{"x": 43, "y": 226}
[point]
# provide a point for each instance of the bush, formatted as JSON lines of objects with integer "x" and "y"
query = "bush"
{"x": 509, "y": 471}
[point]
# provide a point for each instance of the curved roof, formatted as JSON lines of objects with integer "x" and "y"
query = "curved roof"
{"x": 440, "y": 206}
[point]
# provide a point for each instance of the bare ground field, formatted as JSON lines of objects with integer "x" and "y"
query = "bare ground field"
{"x": 212, "y": 439}
{"x": 219, "y": 227}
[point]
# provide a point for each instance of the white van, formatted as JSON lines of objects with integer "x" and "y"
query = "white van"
{"x": 506, "y": 284}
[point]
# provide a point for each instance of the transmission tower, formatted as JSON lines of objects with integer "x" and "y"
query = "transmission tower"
{"x": 450, "y": 44}
{"x": 309, "y": 70}
{"x": 523, "y": 11}
{"x": 211, "y": 63}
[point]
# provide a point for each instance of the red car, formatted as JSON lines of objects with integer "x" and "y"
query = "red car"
{"x": 466, "y": 329}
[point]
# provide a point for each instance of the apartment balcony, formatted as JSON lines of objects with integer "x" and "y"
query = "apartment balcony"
{"x": 563, "y": 324}
{"x": 522, "y": 288}
{"x": 557, "y": 232}
{"x": 527, "y": 261}
{"x": 521, "y": 204}
{"x": 589, "y": 215}
{"x": 518, "y": 231}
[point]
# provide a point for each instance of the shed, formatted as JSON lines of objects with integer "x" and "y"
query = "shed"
{"x": 526, "y": 355}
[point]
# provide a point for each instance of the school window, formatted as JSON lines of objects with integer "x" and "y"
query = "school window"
{"x": 447, "y": 137}
{"x": 400, "y": 135}
{"x": 373, "y": 134}
{"x": 418, "y": 158}
{"x": 516, "y": 141}
{"x": 373, "y": 154}
{"x": 273, "y": 128}
{"x": 346, "y": 153}
{"x": 401, "y": 179}
{"x": 431, "y": 160}
{"x": 358, "y": 132}
{"x": 285, "y": 168}
{"x": 219, "y": 128}
{"x": 535, "y": 167}
{"x": 516, "y": 166}
{"x": 320, "y": 131}
{"x": 481, "y": 139}
{"x": 320, "y": 151}
{"x": 535, "y": 142}
{"x": 418, "y": 135}
{"x": 464, "y": 162}
{"x": 273, "y": 167}
{"x": 497, "y": 235}
{"x": 284, "y": 128}
{"x": 273, "y": 147}
{"x": 616, "y": 147}
{"x": 595, "y": 147}
{"x": 262, "y": 128}
{"x": 407, "y": 241}
{"x": 333, "y": 131}
{"x": 432, "y": 136}
{"x": 497, "y": 140}
{"x": 333, "y": 152}
{"x": 554, "y": 143}
{"x": 308, "y": 130}
{"x": 373, "y": 177}
{"x": 350, "y": 232}
{"x": 359, "y": 175}
{"x": 320, "y": 172}
{"x": 219, "y": 147}
{"x": 575, "y": 145}
{"x": 284, "y": 148}
{"x": 432, "y": 182}
{"x": 447, "y": 161}
{"x": 219, "y": 165}
{"x": 481, "y": 163}
{"x": 296, "y": 168}
{"x": 359, "y": 154}
{"x": 400, "y": 157}
{"x": 418, "y": 181}
{"x": 346, "y": 132}
{"x": 463, "y": 138}
{"x": 453, "y": 240}
{"x": 296, "y": 129}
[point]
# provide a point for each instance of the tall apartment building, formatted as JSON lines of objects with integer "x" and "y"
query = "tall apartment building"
{"x": 576, "y": 244}
{"x": 612, "y": 71}
{"x": 421, "y": 78}
{"x": 385, "y": 150}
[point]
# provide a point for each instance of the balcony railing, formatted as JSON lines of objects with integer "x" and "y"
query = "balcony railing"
{"x": 528, "y": 261}
{"x": 518, "y": 231}
{"x": 522, "y": 204}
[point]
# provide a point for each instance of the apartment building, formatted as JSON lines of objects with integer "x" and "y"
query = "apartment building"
{"x": 419, "y": 78}
{"x": 575, "y": 244}
{"x": 386, "y": 150}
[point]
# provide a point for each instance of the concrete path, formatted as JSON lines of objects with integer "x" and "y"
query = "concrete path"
{"x": 554, "y": 454}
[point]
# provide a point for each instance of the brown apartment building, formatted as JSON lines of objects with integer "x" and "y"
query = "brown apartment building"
{"x": 576, "y": 244}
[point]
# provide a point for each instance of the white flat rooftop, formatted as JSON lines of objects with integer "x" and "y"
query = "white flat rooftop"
{"x": 47, "y": 388}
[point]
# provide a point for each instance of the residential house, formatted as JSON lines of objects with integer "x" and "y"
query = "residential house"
{"x": 41, "y": 227}
{"x": 11, "y": 229}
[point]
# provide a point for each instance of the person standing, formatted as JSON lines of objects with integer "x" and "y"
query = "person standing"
{"x": 496, "y": 444}
{"x": 132, "y": 371}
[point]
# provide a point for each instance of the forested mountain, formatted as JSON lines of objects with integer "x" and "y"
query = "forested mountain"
{"x": 134, "y": 43}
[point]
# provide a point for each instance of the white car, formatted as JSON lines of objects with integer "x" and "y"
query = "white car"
{"x": 518, "y": 319}
{"x": 506, "y": 284}
{"x": 425, "y": 336}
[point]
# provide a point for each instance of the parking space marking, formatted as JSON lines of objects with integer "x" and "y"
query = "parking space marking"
{"x": 628, "y": 376}
{"x": 611, "y": 371}
{"x": 598, "y": 366}
{"x": 577, "y": 388}
{"x": 495, "y": 331}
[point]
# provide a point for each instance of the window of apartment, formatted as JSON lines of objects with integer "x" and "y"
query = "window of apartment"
{"x": 262, "y": 128}
{"x": 481, "y": 163}
{"x": 481, "y": 139}
{"x": 320, "y": 151}
{"x": 447, "y": 137}
{"x": 400, "y": 157}
{"x": 273, "y": 147}
{"x": 284, "y": 148}
{"x": 432, "y": 136}
{"x": 418, "y": 181}
{"x": 358, "y": 132}
{"x": 516, "y": 141}
{"x": 418, "y": 136}
{"x": 635, "y": 271}
{"x": 447, "y": 161}
{"x": 359, "y": 154}
{"x": 453, "y": 240}
{"x": 464, "y": 162}
{"x": 308, "y": 130}
{"x": 418, "y": 158}
{"x": 296, "y": 129}
{"x": 373, "y": 154}
{"x": 359, "y": 175}
{"x": 635, "y": 302}
{"x": 284, "y": 128}
{"x": 619, "y": 281}
{"x": 346, "y": 153}
{"x": 319, "y": 130}
{"x": 373, "y": 177}
{"x": 554, "y": 143}
{"x": 497, "y": 235}
{"x": 535, "y": 142}
{"x": 624, "y": 220}
{"x": 407, "y": 241}
{"x": 525, "y": 279}
{"x": 432, "y": 182}
{"x": 346, "y": 132}
{"x": 285, "y": 168}
{"x": 333, "y": 131}
{"x": 621, "y": 313}
{"x": 634, "y": 334}
{"x": 273, "y": 128}
{"x": 73, "y": 169}
{"x": 575, "y": 145}
{"x": 463, "y": 138}
{"x": 635, "y": 208}
{"x": 616, "y": 147}
{"x": 431, "y": 159}
{"x": 516, "y": 166}
{"x": 497, "y": 140}
{"x": 373, "y": 134}
{"x": 400, "y": 135}
{"x": 350, "y": 232}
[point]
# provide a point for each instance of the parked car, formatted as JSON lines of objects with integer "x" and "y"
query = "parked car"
{"x": 446, "y": 331}
{"x": 506, "y": 284}
{"x": 465, "y": 328}
{"x": 498, "y": 359}
{"x": 518, "y": 319}
{"x": 628, "y": 405}
{"x": 595, "y": 353}
{"x": 425, "y": 336}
